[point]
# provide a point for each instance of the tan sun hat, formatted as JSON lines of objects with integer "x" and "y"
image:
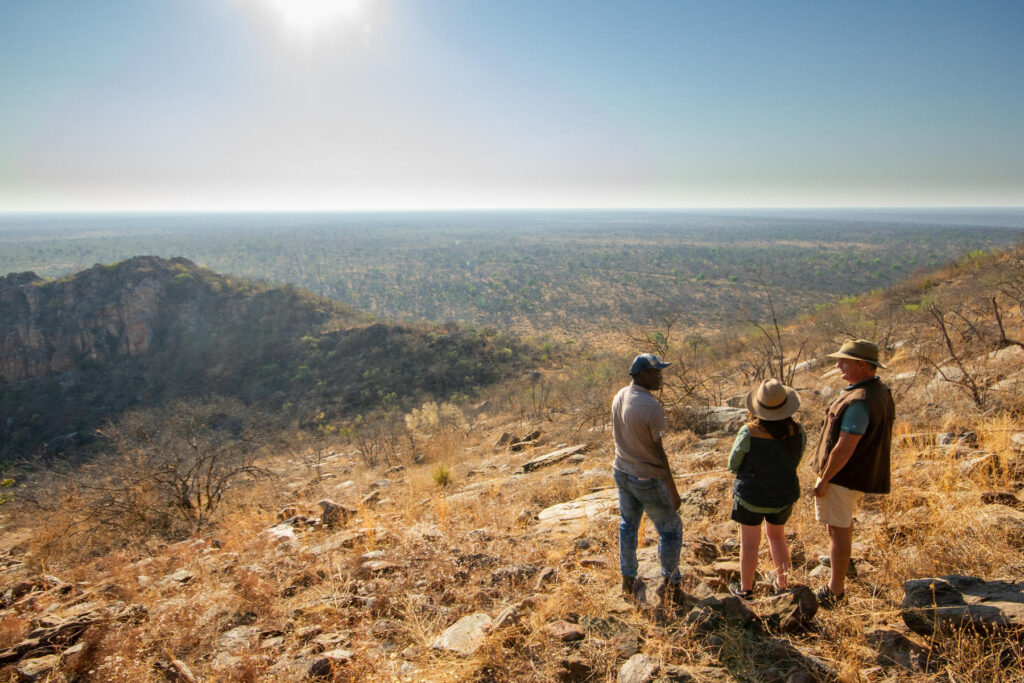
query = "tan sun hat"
{"x": 859, "y": 349}
{"x": 773, "y": 400}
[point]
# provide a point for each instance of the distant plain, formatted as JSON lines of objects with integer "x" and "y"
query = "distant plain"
{"x": 568, "y": 274}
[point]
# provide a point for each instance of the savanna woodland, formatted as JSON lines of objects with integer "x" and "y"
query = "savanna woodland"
{"x": 380, "y": 449}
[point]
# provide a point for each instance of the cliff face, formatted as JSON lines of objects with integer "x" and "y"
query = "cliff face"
{"x": 76, "y": 353}
{"x": 99, "y": 315}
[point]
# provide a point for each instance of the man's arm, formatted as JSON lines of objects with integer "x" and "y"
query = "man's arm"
{"x": 837, "y": 459}
{"x": 674, "y": 498}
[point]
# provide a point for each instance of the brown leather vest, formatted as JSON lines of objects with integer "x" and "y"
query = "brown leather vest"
{"x": 867, "y": 469}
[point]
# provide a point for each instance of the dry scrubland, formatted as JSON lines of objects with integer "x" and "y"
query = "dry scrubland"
{"x": 456, "y": 529}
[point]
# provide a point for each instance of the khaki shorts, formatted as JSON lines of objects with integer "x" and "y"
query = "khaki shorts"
{"x": 836, "y": 507}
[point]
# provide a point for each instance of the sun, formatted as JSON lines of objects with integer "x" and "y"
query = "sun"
{"x": 310, "y": 16}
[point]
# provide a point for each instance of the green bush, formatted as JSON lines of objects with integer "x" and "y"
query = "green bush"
{"x": 442, "y": 476}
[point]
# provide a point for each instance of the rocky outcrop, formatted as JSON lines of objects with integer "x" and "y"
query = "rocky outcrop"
{"x": 954, "y": 603}
{"x": 100, "y": 314}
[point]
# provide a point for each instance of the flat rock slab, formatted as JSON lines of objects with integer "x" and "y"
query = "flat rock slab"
{"x": 599, "y": 506}
{"x": 963, "y": 603}
{"x": 649, "y": 565}
{"x": 551, "y": 458}
{"x": 238, "y": 637}
{"x": 727, "y": 569}
{"x": 35, "y": 669}
{"x": 465, "y": 636}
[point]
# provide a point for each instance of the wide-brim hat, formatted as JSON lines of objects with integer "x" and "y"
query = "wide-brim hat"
{"x": 773, "y": 400}
{"x": 859, "y": 349}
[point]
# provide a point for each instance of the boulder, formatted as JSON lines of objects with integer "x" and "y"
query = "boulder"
{"x": 505, "y": 439}
{"x": 949, "y": 604}
{"x": 551, "y": 458}
{"x": 638, "y": 669}
{"x": 326, "y": 665}
{"x": 895, "y": 649}
{"x": 1017, "y": 441}
{"x": 706, "y": 419}
{"x": 335, "y": 515}
{"x": 575, "y": 515}
{"x": 37, "y": 668}
{"x": 565, "y": 632}
{"x": 791, "y": 611}
{"x": 238, "y": 637}
{"x": 282, "y": 533}
{"x": 465, "y": 636}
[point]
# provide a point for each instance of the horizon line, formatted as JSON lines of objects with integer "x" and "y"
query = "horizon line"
{"x": 507, "y": 209}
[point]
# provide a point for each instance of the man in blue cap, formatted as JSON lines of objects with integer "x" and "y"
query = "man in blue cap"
{"x": 643, "y": 475}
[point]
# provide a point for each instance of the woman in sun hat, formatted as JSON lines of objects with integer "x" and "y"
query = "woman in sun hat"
{"x": 764, "y": 459}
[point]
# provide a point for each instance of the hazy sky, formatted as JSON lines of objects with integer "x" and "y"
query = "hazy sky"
{"x": 401, "y": 104}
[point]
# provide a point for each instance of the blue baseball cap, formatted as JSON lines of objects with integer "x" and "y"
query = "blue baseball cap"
{"x": 647, "y": 361}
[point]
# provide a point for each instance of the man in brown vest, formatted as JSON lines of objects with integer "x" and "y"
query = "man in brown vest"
{"x": 853, "y": 455}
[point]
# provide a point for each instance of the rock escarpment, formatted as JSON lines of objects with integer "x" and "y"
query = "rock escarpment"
{"x": 76, "y": 353}
{"x": 103, "y": 313}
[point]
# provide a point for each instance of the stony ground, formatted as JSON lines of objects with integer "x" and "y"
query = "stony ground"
{"x": 491, "y": 555}
{"x": 510, "y": 573}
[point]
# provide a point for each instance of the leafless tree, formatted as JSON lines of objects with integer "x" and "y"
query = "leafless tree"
{"x": 771, "y": 350}
{"x": 695, "y": 376}
{"x": 186, "y": 457}
{"x": 961, "y": 339}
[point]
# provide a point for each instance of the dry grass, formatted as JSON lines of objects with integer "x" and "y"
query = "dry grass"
{"x": 446, "y": 541}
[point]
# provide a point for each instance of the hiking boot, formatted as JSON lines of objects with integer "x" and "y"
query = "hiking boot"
{"x": 827, "y": 599}
{"x": 738, "y": 591}
{"x": 628, "y": 587}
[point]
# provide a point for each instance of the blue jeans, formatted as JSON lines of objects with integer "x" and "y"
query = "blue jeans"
{"x": 637, "y": 496}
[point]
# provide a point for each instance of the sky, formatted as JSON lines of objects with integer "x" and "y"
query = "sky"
{"x": 230, "y": 105}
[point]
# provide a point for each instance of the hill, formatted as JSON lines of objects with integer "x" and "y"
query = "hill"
{"x": 144, "y": 332}
{"x": 486, "y": 549}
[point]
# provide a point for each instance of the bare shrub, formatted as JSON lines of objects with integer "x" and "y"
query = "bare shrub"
{"x": 167, "y": 473}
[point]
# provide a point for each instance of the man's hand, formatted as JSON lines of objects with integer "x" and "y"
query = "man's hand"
{"x": 673, "y": 497}
{"x": 837, "y": 459}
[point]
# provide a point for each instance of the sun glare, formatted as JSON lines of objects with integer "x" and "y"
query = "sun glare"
{"x": 310, "y": 16}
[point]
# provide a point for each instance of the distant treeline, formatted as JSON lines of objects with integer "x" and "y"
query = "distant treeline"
{"x": 573, "y": 272}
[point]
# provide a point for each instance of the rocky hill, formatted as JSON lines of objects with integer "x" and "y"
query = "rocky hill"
{"x": 79, "y": 351}
{"x": 489, "y": 552}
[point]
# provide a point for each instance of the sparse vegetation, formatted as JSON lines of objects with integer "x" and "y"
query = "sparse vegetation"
{"x": 442, "y": 475}
{"x": 438, "y": 527}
